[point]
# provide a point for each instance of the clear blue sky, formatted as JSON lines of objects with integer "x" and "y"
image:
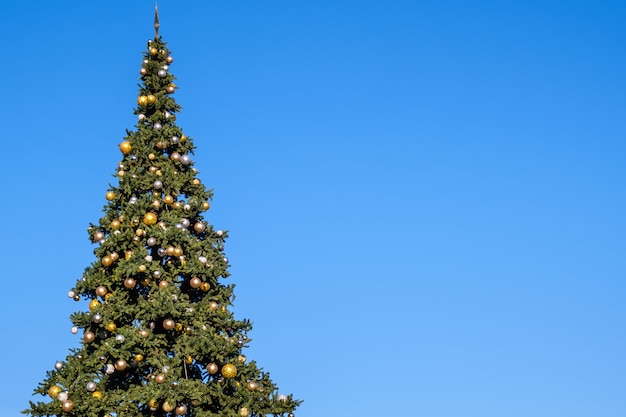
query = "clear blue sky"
{"x": 426, "y": 199}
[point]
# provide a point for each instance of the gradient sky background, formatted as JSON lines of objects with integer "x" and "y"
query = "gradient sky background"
{"x": 426, "y": 199}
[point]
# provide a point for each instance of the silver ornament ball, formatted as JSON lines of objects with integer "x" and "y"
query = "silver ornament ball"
{"x": 74, "y": 329}
{"x": 91, "y": 386}
{"x": 58, "y": 365}
{"x": 162, "y": 73}
{"x": 151, "y": 241}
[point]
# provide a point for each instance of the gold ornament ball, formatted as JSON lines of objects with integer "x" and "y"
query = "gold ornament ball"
{"x": 195, "y": 282}
{"x": 181, "y": 410}
{"x": 169, "y": 59}
{"x": 178, "y": 204}
{"x": 130, "y": 282}
{"x": 206, "y": 205}
{"x": 163, "y": 284}
{"x": 199, "y": 227}
{"x": 189, "y": 360}
{"x": 142, "y": 100}
{"x": 168, "y": 199}
{"x": 108, "y": 296}
{"x": 143, "y": 71}
{"x": 94, "y": 304}
{"x": 120, "y": 364}
{"x": 151, "y": 99}
{"x": 167, "y": 406}
{"x": 111, "y": 326}
{"x": 178, "y": 327}
{"x": 229, "y": 370}
{"x": 153, "y": 403}
{"x": 252, "y": 385}
{"x": 150, "y": 218}
{"x": 98, "y": 236}
{"x": 114, "y": 256}
{"x": 110, "y": 196}
{"x": 205, "y": 286}
{"x": 178, "y": 252}
{"x": 97, "y": 395}
{"x": 115, "y": 224}
{"x": 213, "y": 306}
{"x": 138, "y": 357}
{"x": 169, "y": 251}
{"x": 159, "y": 379}
{"x": 151, "y": 156}
{"x": 153, "y": 51}
{"x": 242, "y": 358}
{"x": 212, "y": 368}
{"x": 101, "y": 291}
{"x": 170, "y": 89}
{"x": 141, "y": 268}
{"x": 195, "y": 181}
{"x": 128, "y": 254}
{"x": 243, "y": 412}
{"x": 144, "y": 333}
{"x": 107, "y": 260}
{"x": 67, "y": 406}
{"x": 89, "y": 337}
{"x": 54, "y": 391}
{"x": 169, "y": 324}
{"x": 126, "y": 147}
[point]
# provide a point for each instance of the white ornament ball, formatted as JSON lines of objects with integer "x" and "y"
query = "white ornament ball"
{"x": 97, "y": 318}
{"x": 219, "y": 232}
{"x": 202, "y": 259}
{"x": 158, "y": 126}
{"x": 158, "y": 185}
{"x": 132, "y": 200}
{"x": 141, "y": 117}
{"x": 74, "y": 329}
{"x": 71, "y": 294}
{"x": 91, "y": 386}
{"x": 62, "y": 396}
{"x": 162, "y": 73}
{"x": 109, "y": 369}
{"x": 282, "y": 397}
{"x": 120, "y": 338}
{"x": 58, "y": 365}
{"x": 185, "y": 159}
{"x": 174, "y": 139}
{"x": 185, "y": 222}
{"x": 149, "y": 257}
{"x": 151, "y": 241}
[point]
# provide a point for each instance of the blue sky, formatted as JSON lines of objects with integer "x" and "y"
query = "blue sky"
{"x": 426, "y": 199}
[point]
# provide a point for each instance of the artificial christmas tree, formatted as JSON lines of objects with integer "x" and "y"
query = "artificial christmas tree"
{"x": 158, "y": 338}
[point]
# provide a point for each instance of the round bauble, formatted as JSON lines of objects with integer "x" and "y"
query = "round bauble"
{"x": 157, "y": 126}
{"x": 153, "y": 52}
{"x": 159, "y": 379}
{"x": 144, "y": 333}
{"x": 243, "y": 412}
{"x": 169, "y": 59}
{"x": 150, "y": 218}
{"x": 151, "y": 99}
{"x": 107, "y": 260}
{"x": 242, "y": 358}
{"x": 94, "y": 304}
{"x": 114, "y": 256}
{"x": 282, "y": 397}
{"x": 185, "y": 159}
{"x": 91, "y": 386}
{"x": 97, "y": 318}
{"x": 58, "y": 365}
{"x": 98, "y": 236}
{"x": 252, "y": 385}
{"x": 205, "y": 287}
{"x": 138, "y": 357}
{"x": 175, "y": 156}
{"x": 199, "y": 227}
{"x": 142, "y": 100}
{"x": 89, "y": 337}
{"x": 212, "y": 368}
{"x": 195, "y": 282}
{"x": 170, "y": 89}
{"x": 167, "y": 406}
{"x": 110, "y": 196}
{"x": 67, "y": 406}
{"x": 181, "y": 410}
{"x": 290, "y": 415}
{"x": 54, "y": 391}
{"x": 153, "y": 403}
{"x": 97, "y": 395}
{"x": 151, "y": 241}
{"x": 115, "y": 224}
{"x": 62, "y": 396}
{"x": 213, "y": 305}
{"x": 143, "y": 71}
{"x": 120, "y": 364}
{"x": 162, "y": 73}
{"x": 120, "y": 338}
{"x": 109, "y": 369}
{"x": 126, "y": 147}
{"x": 229, "y": 370}
{"x": 130, "y": 282}
{"x": 111, "y": 326}
{"x": 168, "y": 199}
{"x": 169, "y": 324}
{"x": 169, "y": 251}
{"x": 178, "y": 252}
{"x": 158, "y": 185}
{"x": 74, "y": 329}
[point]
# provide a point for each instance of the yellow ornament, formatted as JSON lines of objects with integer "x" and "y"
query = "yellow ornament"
{"x": 167, "y": 406}
{"x": 229, "y": 370}
{"x": 54, "y": 391}
{"x": 243, "y": 412}
{"x": 97, "y": 395}
{"x": 153, "y": 51}
{"x": 153, "y": 403}
{"x": 139, "y": 357}
{"x": 168, "y": 199}
{"x": 111, "y": 326}
{"x": 150, "y": 218}
{"x": 110, "y": 195}
{"x": 94, "y": 304}
{"x": 188, "y": 360}
{"x": 206, "y": 205}
{"x": 151, "y": 99}
{"x": 242, "y": 358}
{"x": 182, "y": 138}
{"x": 128, "y": 254}
{"x": 126, "y": 147}
{"x": 115, "y": 224}
{"x": 107, "y": 260}
{"x": 142, "y": 100}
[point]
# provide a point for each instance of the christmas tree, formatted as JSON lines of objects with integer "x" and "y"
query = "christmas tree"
{"x": 158, "y": 338}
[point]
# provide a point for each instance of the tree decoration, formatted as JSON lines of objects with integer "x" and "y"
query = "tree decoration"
{"x": 158, "y": 337}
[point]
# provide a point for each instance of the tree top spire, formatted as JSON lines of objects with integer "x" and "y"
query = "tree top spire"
{"x": 156, "y": 20}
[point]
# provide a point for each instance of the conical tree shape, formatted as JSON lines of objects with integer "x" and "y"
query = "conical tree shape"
{"x": 159, "y": 338}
